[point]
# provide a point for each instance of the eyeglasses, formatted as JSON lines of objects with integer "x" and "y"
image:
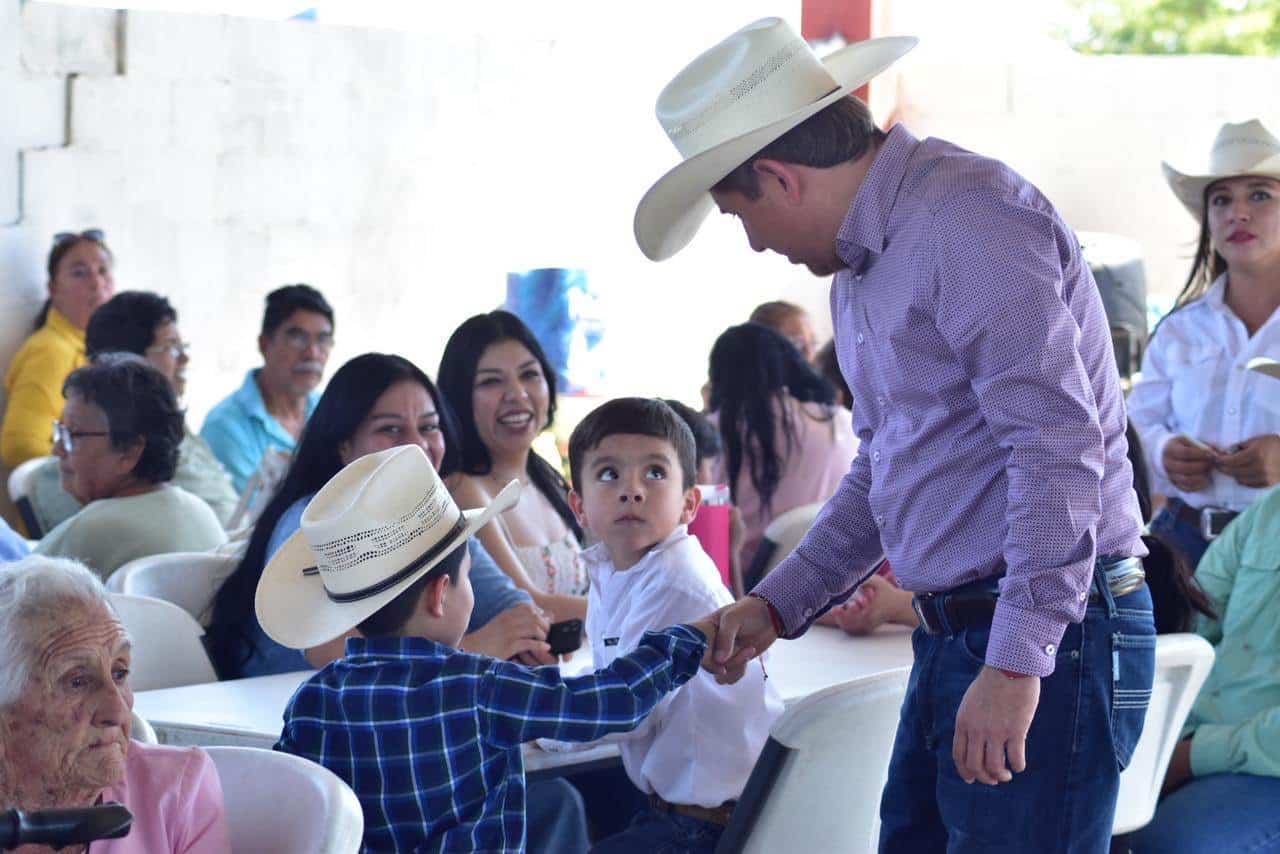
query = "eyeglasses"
{"x": 176, "y": 349}
{"x": 66, "y": 437}
{"x": 300, "y": 339}
{"x": 94, "y": 234}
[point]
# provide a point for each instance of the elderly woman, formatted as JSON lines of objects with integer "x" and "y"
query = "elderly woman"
{"x": 79, "y": 281}
{"x": 1211, "y": 428}
{"x": 117, "y": 444}
{"x": 65, "y": 713}
{"x": 145, "y": 324}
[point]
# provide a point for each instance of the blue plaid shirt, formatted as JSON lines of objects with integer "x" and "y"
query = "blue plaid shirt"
{"x": 429, "y": 736}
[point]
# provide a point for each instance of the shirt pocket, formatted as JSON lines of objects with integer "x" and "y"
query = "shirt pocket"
{"x": 1195, "y": 380}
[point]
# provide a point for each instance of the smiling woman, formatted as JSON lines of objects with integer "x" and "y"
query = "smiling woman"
{"x": 497, "y": 378}
{"x": 65, "y": 714}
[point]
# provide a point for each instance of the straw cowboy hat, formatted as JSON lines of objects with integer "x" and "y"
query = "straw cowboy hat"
{"x": 1243, "y": 149}
{"x": 732, "y": 101}
{"x": 376, "y": 527}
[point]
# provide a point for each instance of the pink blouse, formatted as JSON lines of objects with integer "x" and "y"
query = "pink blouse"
{"x": 821, "y": 454}
{"x": 176, "y": 800}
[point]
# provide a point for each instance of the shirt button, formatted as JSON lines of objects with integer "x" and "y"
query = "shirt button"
{"x": 880, "y": 521}
{"x": 1084, "y": 594}
{"x": 880, "y": 399}
{"x": 859, "y": 337}
{"x": 857, "y": 277}
{"x": 1231, "y": 411}
{"x": 808, "y": 612}
{"x": 876, "y": 456}
{"x": 1050, "y": 649}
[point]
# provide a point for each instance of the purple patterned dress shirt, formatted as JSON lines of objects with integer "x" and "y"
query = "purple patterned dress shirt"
{"x": 986, "y": 399}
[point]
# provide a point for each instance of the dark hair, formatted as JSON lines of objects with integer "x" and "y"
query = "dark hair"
{"x": 57, "y": 253}
{"x": 457, "y": 376}
{"x": 389, "y": 620}
{"x": 346, "y": 402}
{"x": 127, "y": 323}
{"x": 1176, "y": 596}
{"x": 828, "y": 364}
{"x": 1141, "y": 476}
{"x": 1207, "y": 266}
{"x": 140, "y": 407}
{"x": 283, "y": 302}
{"x": 637, "y": 416}
{"x": 706, "y": 439}
{"x": 836, "y": 134}
{"x": 752, "y": 368}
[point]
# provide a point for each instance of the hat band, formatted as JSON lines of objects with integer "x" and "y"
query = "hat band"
{"x": 737, "y": 92}
{"x": 443, "y": 544}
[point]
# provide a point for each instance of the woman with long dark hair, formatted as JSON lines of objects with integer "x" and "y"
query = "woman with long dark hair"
{"x": 1210, "y": 427}
{"x": 498, "y": 380}
{"x": 80, "y": 280}
{"x": 374, "y": 401}
{"x": 786, "y": 441}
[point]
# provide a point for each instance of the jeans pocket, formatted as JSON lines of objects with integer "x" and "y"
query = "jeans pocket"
{"x": 1133, "y": 667}
{"x": 973, "y": 645}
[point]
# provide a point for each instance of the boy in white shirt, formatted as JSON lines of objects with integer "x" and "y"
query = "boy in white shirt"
{"x": 633, "y": 470}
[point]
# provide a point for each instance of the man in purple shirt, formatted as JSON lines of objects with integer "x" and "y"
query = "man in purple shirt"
{"x": 992, "y": 469}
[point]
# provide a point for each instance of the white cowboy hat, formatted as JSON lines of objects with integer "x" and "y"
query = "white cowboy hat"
{"x": 1243, "y": 149}
{"x": 732, "y": 101}
{"x": 371, "y": 531}
{"x": 1264, "y": 365}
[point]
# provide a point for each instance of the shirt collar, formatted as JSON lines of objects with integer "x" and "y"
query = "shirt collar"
{"x": 1216, "y": 295}
{"x": 249, "y": 396}
{"x": 866, "y": 223}
{"x": 597, "y": 557}
{"x": 57, "y": 323}
{"x": 360, "y": 649}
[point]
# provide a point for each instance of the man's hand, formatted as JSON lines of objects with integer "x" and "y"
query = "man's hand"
{"x": 992, "y": 725}
{"x": 1189, "y": 466}
{"x": 1255, "y": 462}
{"x": 744, "y": 630}
{"x": 520, "y": 632}
{"x": 1179, "y": 771}
{"x": 876, "y": 602}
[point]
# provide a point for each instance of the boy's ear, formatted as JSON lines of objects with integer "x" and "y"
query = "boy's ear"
{"x": 575, "y": 504}
{"x": 692, "y": 501}
{"x": 432, "y": 600}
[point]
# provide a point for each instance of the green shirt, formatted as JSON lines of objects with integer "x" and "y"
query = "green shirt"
{"x": 1236, "y": 718}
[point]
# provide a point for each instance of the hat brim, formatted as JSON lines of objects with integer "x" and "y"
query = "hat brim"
{"x": 1190, "y": 188}
{"x": 1265, "y": 365}
{"x": 671, "y": 211}
{"x": 294, "y": 609}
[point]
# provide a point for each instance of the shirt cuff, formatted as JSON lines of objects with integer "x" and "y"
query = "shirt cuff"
{"x": 1023, "y": 641}
{"x": 1157, "y": 455}
{"x": 1211, "y": 749}
{"x": 797, "y": 591}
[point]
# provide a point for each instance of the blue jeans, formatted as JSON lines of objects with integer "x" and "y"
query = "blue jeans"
{"x": 1083, "y": 734}
{"x": 1218, "y": 814}
{"x": 653, "y": 832}
{"x": 1186, "y": 539}
{"x": 555, "y": 821}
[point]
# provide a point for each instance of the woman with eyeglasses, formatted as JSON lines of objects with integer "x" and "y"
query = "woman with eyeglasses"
{"x": 80, "y": 280}
{"x": 146, "y": 325}
{"x": 117, "y": 446}
{"x": 263, "y": 419}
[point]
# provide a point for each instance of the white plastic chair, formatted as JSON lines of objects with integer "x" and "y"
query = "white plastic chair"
{"x": 189, "y": 580}
{"x": 20, "y": 490}
{"x": 780, "y": 539}
{"x": 1183, "y": 662}
{"x": 817, "y": 783}
{"x": 277, "y": 803}
{"x": 167, "y": 650}
{"x": 142, "y": 730}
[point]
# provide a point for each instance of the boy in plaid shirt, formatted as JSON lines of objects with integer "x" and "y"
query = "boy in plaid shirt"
{"x": 429, "y": 737}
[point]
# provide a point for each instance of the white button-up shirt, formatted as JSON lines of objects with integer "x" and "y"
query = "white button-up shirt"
{"x": 1195, "y": 382}
{"x": 699, "y": 745}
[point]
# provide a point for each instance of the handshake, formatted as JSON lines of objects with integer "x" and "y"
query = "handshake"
{"x": 735, "y": 634}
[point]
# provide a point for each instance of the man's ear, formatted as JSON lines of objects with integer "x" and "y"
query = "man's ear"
{"x": 692, "y": 501}
{"x": 263, "y": 342}
{"x": 575, "y": 504}
{"x": 432, "y": 601}
{"x": 781, "y": 178}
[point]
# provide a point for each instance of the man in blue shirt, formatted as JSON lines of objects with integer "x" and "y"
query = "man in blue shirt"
{"x": 273, "y": 404}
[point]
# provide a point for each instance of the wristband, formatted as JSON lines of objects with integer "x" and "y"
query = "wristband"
{"x": 774, "y": 618}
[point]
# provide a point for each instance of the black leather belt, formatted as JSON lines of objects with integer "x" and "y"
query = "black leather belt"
{"x": 1209, "y": 521}
{"x": 973, "y": 605}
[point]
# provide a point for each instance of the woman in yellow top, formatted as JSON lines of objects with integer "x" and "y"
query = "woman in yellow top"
{"x": 79, "y": 281}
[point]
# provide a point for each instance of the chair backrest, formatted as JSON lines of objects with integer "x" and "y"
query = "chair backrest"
{"x": 20, "y": 491}
{"x": 189, "y": 580}
{"x": 167, "y": 650}
{"x": 1183, "y": 662}
{"x": 817, "y": 783}
{"x": 276, "y": 803}
{"x": 781, "y": 537}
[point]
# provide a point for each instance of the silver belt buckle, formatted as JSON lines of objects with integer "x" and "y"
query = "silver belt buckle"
{"x": 1124, "y": 576}
{"x": 1209, "y": 528}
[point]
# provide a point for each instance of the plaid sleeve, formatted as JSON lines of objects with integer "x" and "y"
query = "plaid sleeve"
{"x": 520, "y": 703}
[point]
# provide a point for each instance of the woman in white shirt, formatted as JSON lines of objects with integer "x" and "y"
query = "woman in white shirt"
{"x": 1210, "y": 426}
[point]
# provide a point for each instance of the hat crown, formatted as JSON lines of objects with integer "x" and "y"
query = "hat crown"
{"x": 376, "y": 516}
{"x": 753, "y": 77}
{"x": 1239, "y": 147}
